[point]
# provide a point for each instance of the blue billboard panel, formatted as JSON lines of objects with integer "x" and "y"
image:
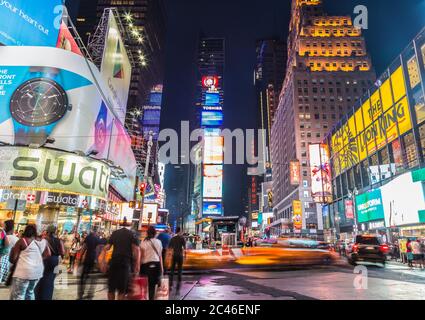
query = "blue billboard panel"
{"x": 155, "y": 98}
{"x": 212, "y": 98}
{"x": 30, "y": 23}
{"x": 212, "y": 208}
{"x": 212, "y": 118}
{"x": 151, "y": 117}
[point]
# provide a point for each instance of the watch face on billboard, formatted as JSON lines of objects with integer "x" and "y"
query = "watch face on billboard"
{"x": 212, "y": 208}
{"x": 212, "y": 98}
{"x": 212, "y": 118}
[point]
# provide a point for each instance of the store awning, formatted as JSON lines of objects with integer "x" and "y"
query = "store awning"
{"x": 207, "y": 220}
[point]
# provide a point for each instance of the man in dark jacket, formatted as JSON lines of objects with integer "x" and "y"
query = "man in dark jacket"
{"x": 177, "y": 245}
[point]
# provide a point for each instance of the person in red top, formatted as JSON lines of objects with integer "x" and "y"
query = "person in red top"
{"x": 409, "y": 253}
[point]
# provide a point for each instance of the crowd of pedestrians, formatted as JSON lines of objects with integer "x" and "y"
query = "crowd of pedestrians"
{"x": 29, "y": 260}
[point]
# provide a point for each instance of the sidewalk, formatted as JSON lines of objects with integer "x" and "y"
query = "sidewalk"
{"x": 66, "y": 288}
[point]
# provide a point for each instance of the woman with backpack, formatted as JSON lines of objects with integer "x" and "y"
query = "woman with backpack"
{"x": 152, "y": 265}
{"x": 44, "y": 289}
{"x": 27, "y": 259}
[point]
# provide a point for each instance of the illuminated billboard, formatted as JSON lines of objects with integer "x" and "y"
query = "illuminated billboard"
{"x": 24, "y": 23}
{"x": 212, "y": 208}
{"x": 116, "y": 68}
{"x": 213, "y": 181}
{"x": 209, "y": 81}
{"x": 212, "y": 118}
{"x": 212, "y": 99}
{"x": 149, "y": 214}
{"x": 297, "y": 214}
{"x": 51, "y": 170}
{"x": 380, "y": 120}
{"x": 151, "y": 116}
{"x": 70, "y": 87}
{"x": 320, "y": 171}
{"x": 369, "y": 206}
{"x": 155, "y": 98}
{"x": 403, "y": 201}
{"x": 213, "y": 150}
{"x": 294, "y": 171}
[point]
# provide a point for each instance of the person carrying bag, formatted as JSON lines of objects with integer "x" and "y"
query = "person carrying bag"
{"x": 152, "y": 265}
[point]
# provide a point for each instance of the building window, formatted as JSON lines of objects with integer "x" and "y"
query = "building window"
{"x": 305, "y": 183}
{"x": 306, "y": 194}
{"x": 409, "y": 145}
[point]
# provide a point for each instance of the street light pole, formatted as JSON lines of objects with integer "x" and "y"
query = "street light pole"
{"x": 145, "y": 173}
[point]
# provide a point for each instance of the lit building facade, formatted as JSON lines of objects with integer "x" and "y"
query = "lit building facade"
{"x": 328, "y": 70}
{"x": 377, "y": 152}
{"x": 207, "y": 180}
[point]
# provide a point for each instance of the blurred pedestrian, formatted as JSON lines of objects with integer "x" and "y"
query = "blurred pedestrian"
{"x": 45, "y": 287}
{"x": 125, "y": 260}
{"x": 74, "y": 251}
{"x": 409, "y": 253}
{"x": 177, "y": 246}
{"x": 165, "y": 238}
{"x": 67, "y": 242}
{"x": 11, "y": 239}
{"x": 88, "y": 257}
{"x": 27, "y": 259}
{"x": 416, "y": 250}
{"x": 152, "y": 265}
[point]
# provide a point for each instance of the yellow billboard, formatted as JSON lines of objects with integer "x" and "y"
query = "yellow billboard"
{"x": 376, "y": 123}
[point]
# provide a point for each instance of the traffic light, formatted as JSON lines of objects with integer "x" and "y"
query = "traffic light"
{"x": 142, "y": 188}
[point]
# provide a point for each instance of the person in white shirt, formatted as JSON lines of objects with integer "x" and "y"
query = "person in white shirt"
{"x": 151, "y": 262}
{"x": 27, "y": 257}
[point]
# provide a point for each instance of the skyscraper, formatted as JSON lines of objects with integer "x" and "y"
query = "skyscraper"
{"x": 328, "y": 70}
{"x": 209, "y": 116}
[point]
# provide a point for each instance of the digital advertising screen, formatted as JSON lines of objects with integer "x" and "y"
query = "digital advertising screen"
{"x": 23, "y": 23}
{"x": 212, "y": 132}
{"x": 212, "y": 187}
{"x": 212, "y": 98}
{"x": 212, "y": 208}
{"x": 211, "y": 118}
{"x": 155, "y": 98}
{"x": 213, "y": 150}
{"x": 151, "y": 117}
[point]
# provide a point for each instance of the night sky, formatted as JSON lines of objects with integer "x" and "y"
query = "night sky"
{"x": 392, "y": 24}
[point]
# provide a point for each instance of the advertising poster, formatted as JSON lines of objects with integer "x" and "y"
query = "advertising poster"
{"x": 150, "y": 213}
{"x": 213, "y": 150}
{"x": 212, "y": 208}
{"x": 349, "y": 209}
{"x": 212, "y": 118}
{"x": 369, "y": 206}
{"x": 297, "y": 216}
{"x": 213, "y": 181}
{"x": 320, "y": 170}
{"x": 116, "y": 68}
{"x": 294, "y": 167}
{"x": 22, "y": 23}
{"x": 402, "y": 200}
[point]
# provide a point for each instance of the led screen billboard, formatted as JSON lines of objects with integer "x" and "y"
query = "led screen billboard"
{"x": 209, "y": 81}
{"x": 403, "y": 201}
{"x": 212, "y": 98}
{"x": 212, "y": 118}
{"x": 369, "y": 206}
{"x": 24, "y": 23}
{"x": 320, "y": 170}
{"x": 212, "y": 208}
{"x": 155, "y": 98}
{"x": 151, "y": 116}
{"x": 213, "y": 181}
{"x": 213, "y": 150}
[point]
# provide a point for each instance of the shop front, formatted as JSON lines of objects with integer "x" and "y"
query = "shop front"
{"x": 45, "y": 186}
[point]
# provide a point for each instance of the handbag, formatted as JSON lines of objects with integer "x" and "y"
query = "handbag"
{"x": 104, "y": 259}
{"x": 139, "y": 289}
{"x": 163, "y": 291}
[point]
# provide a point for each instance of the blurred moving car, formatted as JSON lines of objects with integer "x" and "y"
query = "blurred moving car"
{"x": 367, "y": 248}
{"x": 293, "y": 252}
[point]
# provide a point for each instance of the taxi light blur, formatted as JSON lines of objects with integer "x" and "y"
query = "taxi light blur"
{"x": 355, "y": 248}
{"x": 384, "y": 248}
